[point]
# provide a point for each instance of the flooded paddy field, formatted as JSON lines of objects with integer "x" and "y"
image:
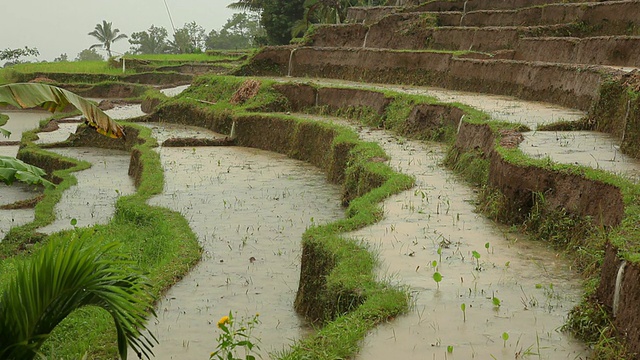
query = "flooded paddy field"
{"x": 507, "y": 283}
{"x": 249, "y": 209}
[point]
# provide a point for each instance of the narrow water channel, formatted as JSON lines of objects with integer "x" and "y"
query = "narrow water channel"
{"x": 249, "y": 209}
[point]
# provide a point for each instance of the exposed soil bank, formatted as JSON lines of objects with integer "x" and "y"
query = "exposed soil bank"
{"x": 566, "y": 85}
{"x": 618, "y": 14}
{"x": 502, "y": 108}
{"x": 370, "y": 14}
{"x": 604, "y": 50}
{"x": 411, "y": 32}
{"x": 619, "y": 292}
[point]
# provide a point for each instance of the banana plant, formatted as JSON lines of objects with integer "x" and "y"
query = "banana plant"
{"x": 52, "y": 98}
{"x": 64, "y": 276}
{"x": 12, "y": 169}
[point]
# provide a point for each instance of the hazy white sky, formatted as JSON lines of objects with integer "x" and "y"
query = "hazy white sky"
{"x": 61, "y": 26}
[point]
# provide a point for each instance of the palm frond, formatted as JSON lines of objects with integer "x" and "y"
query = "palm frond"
{"x": 52, "y": 98}
{"x": 67, "y": 275}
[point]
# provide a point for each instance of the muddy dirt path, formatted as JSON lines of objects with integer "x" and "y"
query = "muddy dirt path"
{"x": 535, "y": 286}
{"x": 249, "y": 209}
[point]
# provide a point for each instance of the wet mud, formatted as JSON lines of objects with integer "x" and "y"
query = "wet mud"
{"x": 249, "y": 209}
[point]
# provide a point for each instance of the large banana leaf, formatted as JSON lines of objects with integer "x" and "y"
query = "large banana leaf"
{"x": 52, "y": 98}
{"x": 63, "y": 277}
{"x": 12, "y": 169}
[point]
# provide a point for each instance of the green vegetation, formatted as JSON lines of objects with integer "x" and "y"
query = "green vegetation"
{"x": 63, "y": 276}
{"x": 157, "y": 241}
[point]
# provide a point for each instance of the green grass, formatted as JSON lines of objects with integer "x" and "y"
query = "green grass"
{"x": 80, "y": 67}
{"x": 172, "y": 58}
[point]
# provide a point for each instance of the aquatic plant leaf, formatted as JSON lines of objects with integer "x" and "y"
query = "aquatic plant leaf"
{"x": 52, "y": 98}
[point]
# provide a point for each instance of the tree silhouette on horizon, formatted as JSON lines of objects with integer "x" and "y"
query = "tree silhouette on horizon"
{"x": 106, "y": 35}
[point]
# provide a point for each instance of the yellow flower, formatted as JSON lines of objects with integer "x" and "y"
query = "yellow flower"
{"x": 223, "y": 321}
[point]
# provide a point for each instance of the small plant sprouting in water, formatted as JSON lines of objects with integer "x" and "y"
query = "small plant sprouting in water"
{"x": 496, "y": 301}
{"x": 486, "y": 246}
{"x": 463, "y": 307}
{"x": 450, "y": 349}
{"x": 476, "y": 255}
{"x": 235, "y": 335}
{"x": 505, "y": 337}
{"x": 437, "y": 277}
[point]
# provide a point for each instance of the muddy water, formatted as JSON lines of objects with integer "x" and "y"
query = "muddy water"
{"x": 17, "y": 217}
{"x": 62, "y": 134}
{"x": 170, "y": 92}
{"x": 535, "y": 286}
{"x": 587, "y": 148}
{"x": 92, "y": 200}
{"x": 19, "y": 121}
{"x": 249, "y": 209}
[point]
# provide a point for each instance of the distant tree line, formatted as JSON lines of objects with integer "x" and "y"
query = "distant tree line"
{"x": 284, "y": 19}
{"x": 261, "y": 22}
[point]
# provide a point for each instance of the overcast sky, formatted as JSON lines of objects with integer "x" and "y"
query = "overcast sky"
{"x": 57, "y": 27}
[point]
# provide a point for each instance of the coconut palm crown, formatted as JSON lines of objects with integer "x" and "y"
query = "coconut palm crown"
{"x": 106, "y": 35}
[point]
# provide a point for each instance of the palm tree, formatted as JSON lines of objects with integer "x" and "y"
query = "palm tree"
{"x": 247, "y": 5}
{"x": 63, "y": 277}
{"x": 106, "y": 36}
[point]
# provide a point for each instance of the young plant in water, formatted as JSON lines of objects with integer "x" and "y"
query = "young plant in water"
{"x": 505, "y": 337}
{"x": 463, "y": 307}
{"x": 235, "y": 335}
{"x": 437, "y": 277}
{"x": 496, "y": 301}
{"x": 486, "y": 246}
{"x": 476, "y": 255}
